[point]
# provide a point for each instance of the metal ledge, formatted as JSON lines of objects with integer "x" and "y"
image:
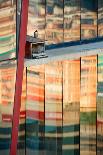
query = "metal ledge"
{"x": 68, "y": 53}
{"x": 59, "y": 54}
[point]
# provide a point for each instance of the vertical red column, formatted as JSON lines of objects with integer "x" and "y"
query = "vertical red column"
{"x": 19, "y": 76}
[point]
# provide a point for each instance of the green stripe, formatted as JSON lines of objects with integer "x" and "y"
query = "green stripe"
{"x": 71, "y": 152}
{"x": 11, "y": 51}
{"x": 71, "y": 128}
{"x": 71, "y": 140}
{"x": 100, "y": 64}
{"x": 6, "y": 38}
{"x": 100, "y": 57}
{"x": 88, "y": 117}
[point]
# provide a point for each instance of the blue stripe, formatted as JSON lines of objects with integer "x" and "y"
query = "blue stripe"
{"x": 73, "y": 43}
{"x": 6, "y": 146}
{"x": 8, "y": 130}
{"x": 35, "y": 146}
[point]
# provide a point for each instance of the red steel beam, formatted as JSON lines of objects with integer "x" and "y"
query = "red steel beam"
{"x": 19, "y": 77}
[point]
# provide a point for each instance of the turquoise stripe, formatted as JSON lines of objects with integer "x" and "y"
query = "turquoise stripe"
{"x": 31, "y": 121}
{"x": 7, "y": 140}
{"x": 100, "y": 89}
{"x": 6, "y": 38}
{"x": 51, "y": 129}
{"x": 71, "y": 128}
{"x": 6, "y": 146}
{"x": 71, "y": 140}
{"x": 5, "y": 130}
{"x": 71, "y": 152}
{"x": 100, "y": 64}
{"x": 100, "y": 57}
{"x": 35, "y": 146}
{"x": 8, "y": 130}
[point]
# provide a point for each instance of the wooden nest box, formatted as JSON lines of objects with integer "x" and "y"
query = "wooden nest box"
{"x": 35, "y": 48}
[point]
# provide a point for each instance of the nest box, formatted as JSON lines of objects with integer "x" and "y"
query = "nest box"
{"x": 35, "y": 47}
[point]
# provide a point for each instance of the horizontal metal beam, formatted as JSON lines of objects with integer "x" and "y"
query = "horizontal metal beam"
{"x": 68, "y": 53}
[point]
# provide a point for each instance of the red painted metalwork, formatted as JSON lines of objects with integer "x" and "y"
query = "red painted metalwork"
{"x": 19, "y": 77}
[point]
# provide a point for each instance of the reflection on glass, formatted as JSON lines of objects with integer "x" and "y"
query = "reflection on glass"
{"x": 54, "y": 21}
{"x": 88, "y": 19}
{"x": 35, "y": 110}
{"x": 71, "y": 20}
{"x": 100, "y": 17}
{"x": 7, "y": 29}
{"x": 53, "y": 108}
{"x": 36, "y": 18}
{"x": 100, "y": 107}
{"x": 21, "y": 138}
{"x": 88, "y": 105}
{"x": 71, "y": 105}
{"x": 7, "y": 88}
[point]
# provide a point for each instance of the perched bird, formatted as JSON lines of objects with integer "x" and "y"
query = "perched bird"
{"x": 36, "y": 34}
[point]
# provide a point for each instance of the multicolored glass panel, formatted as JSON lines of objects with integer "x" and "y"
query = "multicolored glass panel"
{"x": 88, "y": 105}
{"x": 100, "y": 18}
{"x": 71, "y": 20}
{"x": 7, "y": 29}
{"x": 71, "y": 107}
{"x": 100, "y": 106}
{"x": 36, "y": 18}
{"x": 54, "y": 21}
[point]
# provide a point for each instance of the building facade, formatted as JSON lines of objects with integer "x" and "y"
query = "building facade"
{"x": 62, "y": 101}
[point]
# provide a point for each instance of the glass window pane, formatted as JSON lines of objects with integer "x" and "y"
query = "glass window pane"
{"x": 7, "y": 29}
{"x": 88, "y": 19}
{"x": 53, "y": 108}
{"x": 88, "y": 105}
{"x": 100, "y": 107}
{"x": 35, "y": 110}
{"x": 71, "y": 20}
{"x": 36, "y": 18}
{"x": 54, "y": 21}
{"x": 71, "y": 107}
{"x": 100, "y": 18}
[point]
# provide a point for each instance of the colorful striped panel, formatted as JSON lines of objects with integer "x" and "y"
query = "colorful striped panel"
{"x": 71, "y": 20}
{"x": 88, "y": 81}
{"x": 53, "y": 108}
{"x": 88, "y": 19}
{"x": 7, "y": 89}
{"x": 35, "y": 109}
{"x": 22, "y": 119}
{"x": 88, "y": 105}
{"x": 5, "y": 136}
{"x": 54, "y": 21}
{"x": 100, "y": 18}
{"x": 100, "y": 106}
{"x": 7, "y": 30}
{"x": 36, "y": 18}
{"x": 71, "y": 106}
